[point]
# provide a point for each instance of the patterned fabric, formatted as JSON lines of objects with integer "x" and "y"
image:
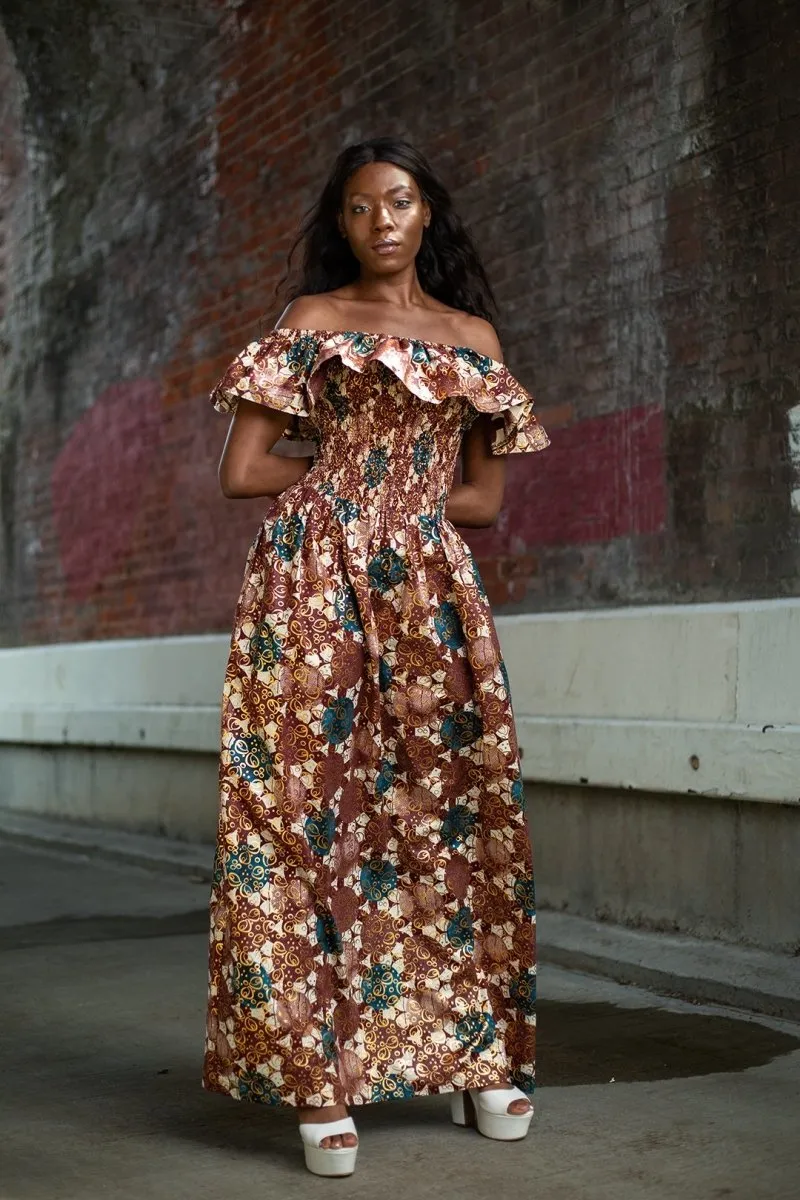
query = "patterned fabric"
{"x": 373, "y": 912}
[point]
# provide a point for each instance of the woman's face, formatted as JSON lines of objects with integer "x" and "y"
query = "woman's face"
{"x": 383, "y": 217}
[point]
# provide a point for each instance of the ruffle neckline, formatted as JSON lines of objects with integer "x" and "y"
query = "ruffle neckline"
{"x": 279, "y": 369}
{"x": 325, "y": 335}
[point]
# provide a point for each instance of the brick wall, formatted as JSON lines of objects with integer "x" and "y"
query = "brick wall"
{"x": 630, "y": 171}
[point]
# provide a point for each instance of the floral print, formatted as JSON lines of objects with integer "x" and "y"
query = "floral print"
{"x": 287, "y": 536}
{"x": 372, "y": 912}
{"x": 423, "y": 451}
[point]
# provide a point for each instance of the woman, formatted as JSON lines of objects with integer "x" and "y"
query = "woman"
{"x": 373, "y": 925}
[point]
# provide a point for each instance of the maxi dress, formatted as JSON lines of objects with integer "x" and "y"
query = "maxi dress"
{"x": 372, "y": 909}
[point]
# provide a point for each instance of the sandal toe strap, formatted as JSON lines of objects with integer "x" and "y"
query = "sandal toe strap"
{"x": 314, "y": 1132}
{"x": 497, "y": 1100}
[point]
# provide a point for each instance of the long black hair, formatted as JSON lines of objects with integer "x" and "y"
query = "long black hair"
{"x": 448, "y": 265}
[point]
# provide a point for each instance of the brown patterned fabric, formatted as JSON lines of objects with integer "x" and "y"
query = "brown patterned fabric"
{"x": 372, "y": 913}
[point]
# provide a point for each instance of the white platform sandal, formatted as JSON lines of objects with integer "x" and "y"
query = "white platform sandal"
{"x": 322, "y": 1161}
{"x": 489, "y": 1112}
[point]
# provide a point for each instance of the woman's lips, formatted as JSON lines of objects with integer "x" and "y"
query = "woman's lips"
{"x": 385, "y": 247}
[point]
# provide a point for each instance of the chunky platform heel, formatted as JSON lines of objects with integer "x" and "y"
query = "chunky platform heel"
{"x": 488, "y": 1112}
{"x": 322, "y": 1161}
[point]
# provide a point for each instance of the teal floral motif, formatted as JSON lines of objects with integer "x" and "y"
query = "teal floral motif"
{"x": 380, "y": 988}
{"x": 385, "y": 777}
{"x": 477, "y": 576}
{"x": 461, "y": 728}
{"x": 320, "y": 829}
{"x": 525, "y": 1079}
{"x": 392, "y": 1088}
{"x": 480, "y": 362}
{"x": 378, "y": 879}
{"x": 525, "y": 893}
{"x": 448, "y": 625}
{"x": 328, "y": 935}
{"x": 362, "y": 343}
{"x": 337, "y": 399}
{"x": 251, "y": 984}
{"x": 251, "y": 759}
{"x": 476, "y": 1030}
{"x": 328, "y": 1042}
{"x": 345, "y": 510}
{"x": 346, "y": 607}
{"x": 247, "y": 869}
{"x": 460, "y": 932}
{"x": 287, "y": 536}
{"x": 384, "y": 675}
{"x": 458, "y": 825}
{"x": 518, "y": 790}
{"x": 337, "y": 719}
{"x": 254, "y": 1086}
{"x": 420, "y": 354}
{"x": 523, "y": 991}
{"x": 386, "y": 569}
{"x": 326, "y": 488}
{"x": 265, "y": 647}
{"x": 429, "y": 528}
{"x": 422, "y": 452}
{"x": 376, "y": 466}
{"x": 301, "y": 354}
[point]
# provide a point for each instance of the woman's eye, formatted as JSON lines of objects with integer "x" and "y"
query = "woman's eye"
{"x": 404, "y": 203}
{"x": 357, "y": 208}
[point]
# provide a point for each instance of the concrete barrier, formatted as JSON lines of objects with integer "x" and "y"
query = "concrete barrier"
{"x": 661, "y": 753}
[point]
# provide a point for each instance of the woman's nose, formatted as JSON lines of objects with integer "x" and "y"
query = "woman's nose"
{"x": 382, "y": 219}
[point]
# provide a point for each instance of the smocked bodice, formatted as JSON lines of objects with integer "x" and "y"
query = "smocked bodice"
{"x": 379, "y": 447}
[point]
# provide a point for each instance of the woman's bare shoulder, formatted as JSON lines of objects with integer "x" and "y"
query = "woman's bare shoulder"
{"x": 480, "y": 335}
{"x": 306, "y": 312}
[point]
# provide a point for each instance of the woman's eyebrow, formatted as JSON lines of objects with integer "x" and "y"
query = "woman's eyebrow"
{"x": 399, "y": 187}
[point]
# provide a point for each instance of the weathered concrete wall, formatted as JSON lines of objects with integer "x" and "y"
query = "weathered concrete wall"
{"x": 679, "y": 864}
{"x": 630, "y": 170}
{"x": 691, "y": 865}
{"x": 680, "y": 721}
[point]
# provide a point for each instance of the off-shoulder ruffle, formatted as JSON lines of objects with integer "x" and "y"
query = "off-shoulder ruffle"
{"x": 279, "y": 369}
{"x": 273, "y": 371}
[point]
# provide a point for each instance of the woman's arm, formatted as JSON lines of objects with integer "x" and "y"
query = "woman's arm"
{"x": 477, "y": 500}
{"x": 247, "y": 469}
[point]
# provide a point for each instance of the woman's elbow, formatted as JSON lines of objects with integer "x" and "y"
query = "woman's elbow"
{"x": 488, "y": 518}
{"x": 232, "y": 483}
{"x": 480, "y": 518}
{"x": 490, "y": 510}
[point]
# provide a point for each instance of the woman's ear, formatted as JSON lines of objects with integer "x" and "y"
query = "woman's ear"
{"x": 340, "y": 223}
{"x": 426, "y": 214}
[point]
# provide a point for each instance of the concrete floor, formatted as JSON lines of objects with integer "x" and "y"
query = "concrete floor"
{"x": 102, "y": 991}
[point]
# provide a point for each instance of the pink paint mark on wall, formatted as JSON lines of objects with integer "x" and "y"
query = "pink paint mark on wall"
{"x": 600, "y": 479}
{"x": 97, "y": 481}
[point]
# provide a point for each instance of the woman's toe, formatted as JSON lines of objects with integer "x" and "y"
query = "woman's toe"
{"x": 519, "y": 1107}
